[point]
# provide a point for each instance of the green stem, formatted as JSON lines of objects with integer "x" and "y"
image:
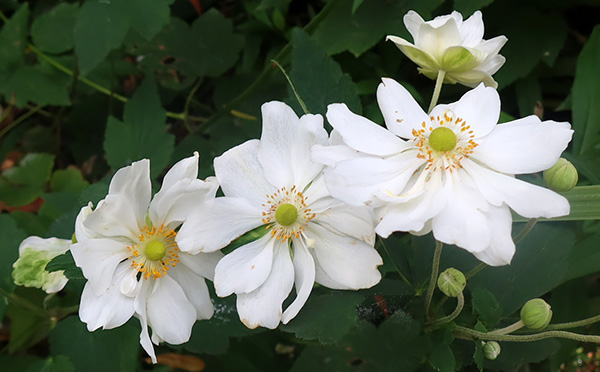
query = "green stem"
{"x": 21, "y": 119}
{"x": 509, "y": 329}
{"x": 393, "y": 262}
{"x": 268, "y": 70}
{"x": 475, "y": 270}
{"x": 523, "y": 233}
{"x": 292, "y": 86}
{"x": 188, "y": 100}
{"x": 451, "y": 317}
{"x": 438, "y": 88}
{"x": 461, "y": 332}
{"x": 434, "y": 274}
{"x": 579, "y": 323}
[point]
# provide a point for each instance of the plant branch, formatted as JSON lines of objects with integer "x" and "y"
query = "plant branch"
{"x": 461, "y": 332}
{"x": 579, "y": 323}
{"x": 18, "y": 121}
{"x": 438, "y": 88}
{"x": 451, "y": 317}
{"x": 434, "y": 274}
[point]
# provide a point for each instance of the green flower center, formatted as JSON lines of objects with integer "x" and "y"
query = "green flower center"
{"x": 286, "y": 214}
{"x": 442, "y": 139}
{"x": 155, "y": 250}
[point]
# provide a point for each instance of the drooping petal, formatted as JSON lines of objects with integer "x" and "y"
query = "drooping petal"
{"x": 285, "y": 143}
{"x": 246, "y": 268}
{"x": 132, "y": 185}
{"x": 421, "y": 57}
{"x": 401, "y": 112}
{"x": 240, "y": 174}
{"x": 346, "y": 260}
{"x": 81, "y": 232}
{"x": 471, "y": 30}
{"x": 263, "y": 306}
{"x": 491, "y": 47}
{"x": 185, "y": 168}
{"x": 202, "y": 264}
{"x": 109, "y": 309}
{"x": 170, "y": 313}
{"x": 528, "y": 200}
{"x": 304, "y": 278}
{"x": 216, "y": 223}
{"x": 195, "y": 289}
{"x": 527, "y": 145}
{"x": 412, "y": 21}
{"x": 98, "y": 259}
{"x": 362, "y": 134}
{"x": 356, "y": 222}
{"x": 140, "y": 306}
{"x": 502, "y": 248}
{"x": 114, "y": 217}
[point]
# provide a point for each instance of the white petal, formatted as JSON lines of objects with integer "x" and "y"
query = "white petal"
{"x": 362, "y": 134}
{"x": 81, "y": 232}
{"x": 344, "y": 219}
{"x": 412, "y": 21}
{"x": 502, "y": 248}
{"x": 51, "y": 246}
{"x": 111, "y": 308}
{"x": 480, "y": 108}
{"x": 98, "y": 259}
{"x": 170, "y": 313}
{"x": 285, "y": 143}
{"x": 140, "y": 306}
{"x": 524, "y": 146}
{"x": 195, "y": 289}
{"x": 263, "y": 306}
{"x": 304, "y": 278}
{"x": 216, "y": 223}
{"x": 240, "y": 173}
{"x": 132, "y": 184}
{"x": 331, "y": 155}
{"x": 185, "y": 168}
{"x": 202, "y": 264}
{"x": 246, "y": 268}
{"x": 524, "y": 198}
{"x": 401, "y": 112}
{"x": 435, "y": 39}
{"x": 471, "y": 30}
{"x": 491, "y": 66}
{"x": 346, "y": 260}
{"x": 114, "y": 217}
{"x": 491, "y": 47}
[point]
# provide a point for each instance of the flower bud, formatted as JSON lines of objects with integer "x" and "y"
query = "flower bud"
{"x": 562, "y": 176}
{"x": 452, "y": 282}
{"x": 491, "y": 350}
{"x": 536, "y": 314}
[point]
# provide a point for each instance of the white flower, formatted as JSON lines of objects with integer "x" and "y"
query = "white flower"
{"x": 30, "y": 268}
{"x": 451, "y": 171}
{"x": 127, "y": 251}
{"x": 456, "y": 47}
{"x": 311, "y": 236}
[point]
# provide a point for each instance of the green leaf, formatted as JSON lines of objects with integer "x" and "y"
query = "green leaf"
{"x": 66, "y": 263}
{"x": 215, "y": 45}
{"x": 146, "y": 17}
{"x": 515, "y": 354}
{"x": 585, "y": 204}
{"x": 23, "y": 184}
{"x": 53, "y": 364}
{"x": 17, "y": 363}
{"x": 359, "y": 27}
{"x": 68, "y": 180}
{"x": 101, "y": 351}
{"x": 441, "y": 358}
{"x": 12, "y": 236}
{"x": 52, "y": 32}
{"x": 142, "y": 134}
{"x": 486, "y": 306}
{"x": 100, "y": 27}
{"x": 13, "y": 40}
{"x": 318, "y": 79}
{"x": 327, "y": 317}
{"x": 29, "y": 321}
{"x": 468, "y": 7}
{"x": 32, "y": 84}
{"x": 529, "y": 93}
{"x": 586, "y": 92}
{"x": 94, "y": 193}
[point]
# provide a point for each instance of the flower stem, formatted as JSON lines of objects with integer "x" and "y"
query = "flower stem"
{"x": 18, "y": 121}
{"x": 434, "y": 274}
{"x": 469, "y": 334}
{"x": 579, "y": 323}
{"x": 451, "y": 317}
{"x": 438, "y": 88}
{"x": 186, "y": 108}
{"x": 508, "y": 329}
{"x": 292, "y": 86}
{"x": 523, "y": 233}
{"x": 475, "y": 270}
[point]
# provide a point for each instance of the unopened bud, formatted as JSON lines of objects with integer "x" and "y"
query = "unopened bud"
{"x": 536, "y": 314}
{"x": 452, "y": 282}
{"x": 562, "y": 176}
{"x": 491, "y": 350}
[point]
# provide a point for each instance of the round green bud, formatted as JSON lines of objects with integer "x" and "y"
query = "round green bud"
{"x": 562, "y": 176}
{"x": 442, "y": 139}
{"x": 155, "y": 250}
{"x": 536, "y": 314}
{"x": 286, "y": 214}
{"x": 491, "y": 350}
{"x": 452, "y": 282}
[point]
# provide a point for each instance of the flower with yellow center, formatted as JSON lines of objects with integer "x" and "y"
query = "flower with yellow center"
{"x": 451, "y": 171}
{"x": 126, "y": 249}
{"x": 272, "y": 184}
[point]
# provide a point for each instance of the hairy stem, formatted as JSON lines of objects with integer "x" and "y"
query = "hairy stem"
{"x": 467, "y": 333}
{"x": 451, "y": 317}
{"x": 434, "y": 274}
{"x": 508, "y": 329}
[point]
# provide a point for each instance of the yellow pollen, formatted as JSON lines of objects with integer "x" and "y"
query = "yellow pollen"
{"x": 286, "y": 214}
{"x": 442, "y": 139}
{"x": 155, "y": 252}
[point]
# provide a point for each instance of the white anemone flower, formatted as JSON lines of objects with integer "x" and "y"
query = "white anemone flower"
{"x": 126, "y": 249}
{"x": 452, "y": 171}
{"x": 310, "y": 236}
{"x": 455, "y": 46}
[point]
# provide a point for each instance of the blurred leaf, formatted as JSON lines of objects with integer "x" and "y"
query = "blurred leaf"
{"x": 146, "y": 17}
{"x": 12, "y": 237}
{"x": 31, "y": 84}
{"x": 52, "y": 32}
{"x": 101, "y": 351}
{"x": 66, "y": 263}
{"x": 359, "y": 27}
{"x": 528, "y": 94}
{"x": 442, "y": 358}
{"x": 486, "y": 306}
{"x": 186, "y": 362}
{"x": 515, "y": 354}
{"x": 318, "y": 79}
{"x": 327, "y": 317}
{"x": 585, "y": 204}
{"x": 356, "y": 4}
{"x": 53, "y": 364}
{"x": 100, "y": 27}
{"x": 586, "y": 90}
{"x": 468, "y": 7}
{"x": 13, "y": 40}
{"x": 142, "y": 134}
{"x": 29, "y": 322}
{"x": 68, "y": 180}
{"x": 94, "y": 193}
{"x": 22, "y": 184}
{"x": 17, "y": 363}
{"x": 585, "y": 258}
